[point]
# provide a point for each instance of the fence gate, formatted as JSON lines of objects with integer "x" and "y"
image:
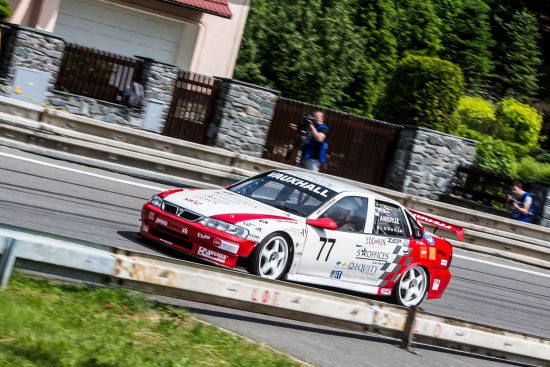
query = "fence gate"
{"x": 193, "y": 105}
{"x": 359, "y": 148}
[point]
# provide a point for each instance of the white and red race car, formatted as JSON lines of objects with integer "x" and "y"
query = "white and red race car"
{"x": 307, "y": 228}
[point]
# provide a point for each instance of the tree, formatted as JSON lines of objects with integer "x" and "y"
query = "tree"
{"x": 5, "y": 10}
{"x": 477, "y": 114}
{"x": 423, "y": 91}
{"x": 375, "y": 20}
{"x": 467, "y": 40}
{"x": 305, "y": 49}
{"x": 517, "y": 54}
{"x": 418, "y": 27}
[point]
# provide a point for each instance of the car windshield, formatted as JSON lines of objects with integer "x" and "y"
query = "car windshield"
{"x": 286, "y": 192}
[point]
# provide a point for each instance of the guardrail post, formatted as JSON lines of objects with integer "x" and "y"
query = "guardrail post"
{"x": 408, "y": 334}
{"x": 7, "y": 262}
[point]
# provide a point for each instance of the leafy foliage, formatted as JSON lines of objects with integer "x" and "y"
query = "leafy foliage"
{"x": 530, "y": 169}
{"x": 5, "y": 9}
{"x": 419, "y": 27}
{"x": 477, "y": 114}
{"x": 519, "y": 123}
{"x": 424, "y": 91}
{"x": 517, "y": 55}
{"x": 467, "y": 40}
{"x": 305, "y": 49}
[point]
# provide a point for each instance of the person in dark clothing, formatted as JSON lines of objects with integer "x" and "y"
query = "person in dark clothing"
{"x": 520, "y": 203}
{"x": 314, "y": 146}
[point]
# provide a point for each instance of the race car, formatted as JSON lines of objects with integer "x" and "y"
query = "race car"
{"x": 307, "y": 228}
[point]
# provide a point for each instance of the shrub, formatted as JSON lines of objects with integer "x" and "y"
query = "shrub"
{"x": 477, "y": 114}
{"x": 530, "y": 169}
{"x": 423, "y": 91}
{"x": 519, "y": 123}
{"x": 492, "y": 154}
{"x": 5, "y": 9}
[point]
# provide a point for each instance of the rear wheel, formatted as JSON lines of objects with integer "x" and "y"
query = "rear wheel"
{"x": 271, "y": 258}
{"x": 411, "y": 288}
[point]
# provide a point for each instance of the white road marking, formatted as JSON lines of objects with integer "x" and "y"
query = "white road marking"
{"x": 501, "y": 265}
{"x": 82, "y": 172}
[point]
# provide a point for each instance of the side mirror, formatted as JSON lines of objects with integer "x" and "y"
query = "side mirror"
{"x": 325, "y": 223}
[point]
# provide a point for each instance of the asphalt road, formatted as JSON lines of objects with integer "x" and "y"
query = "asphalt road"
{"x": 101, "y": 206}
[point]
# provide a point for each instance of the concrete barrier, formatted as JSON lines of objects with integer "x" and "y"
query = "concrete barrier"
{"x": 159, "y": 275}
{"x": 84, "y": 140}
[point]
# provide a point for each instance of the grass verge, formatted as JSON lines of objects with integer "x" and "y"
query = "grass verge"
{"x": 48, "y": 323}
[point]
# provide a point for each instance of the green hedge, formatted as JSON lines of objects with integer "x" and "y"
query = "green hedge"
{"x": 5, "y": 10}
{"x": 519, "y": 123}
{"x": 530, "y": 169}
{"x": 477, "y": 114}
{"x": 423, "y": 91}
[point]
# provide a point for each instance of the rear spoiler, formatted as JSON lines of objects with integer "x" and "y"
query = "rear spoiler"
{"x": 438, "y": 223}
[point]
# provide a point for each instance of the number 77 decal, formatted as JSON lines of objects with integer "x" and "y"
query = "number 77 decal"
{"x": 324, "y": 241}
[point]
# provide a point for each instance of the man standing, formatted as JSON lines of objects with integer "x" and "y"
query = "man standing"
{"x": 520, "y": 203}
{"x": 314, "y": 147}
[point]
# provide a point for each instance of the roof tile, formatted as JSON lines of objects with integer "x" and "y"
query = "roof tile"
{"x": 216, "y": 7}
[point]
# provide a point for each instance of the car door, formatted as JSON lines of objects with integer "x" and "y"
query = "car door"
{"x": 328, "y": 253}
{"x": 387, "y": 242}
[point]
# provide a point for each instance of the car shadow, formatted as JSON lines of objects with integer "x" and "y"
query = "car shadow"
{"x": 136, "y": 238}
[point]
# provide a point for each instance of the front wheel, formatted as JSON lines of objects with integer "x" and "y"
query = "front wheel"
{"x": 411, "y": 288}
{"x": 271, "y": 257}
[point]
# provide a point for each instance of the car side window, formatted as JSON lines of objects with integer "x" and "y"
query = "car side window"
{"x": 349, "y": 214}
{"x": 389, "y": 220}
{"x": 416, "y": 230}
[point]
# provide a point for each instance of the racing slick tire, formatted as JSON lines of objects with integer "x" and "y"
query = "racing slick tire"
{"x": 412, "y": 287}
{"x": 271, "y": 258}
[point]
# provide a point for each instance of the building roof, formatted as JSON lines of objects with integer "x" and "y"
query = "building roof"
{"x": 216, "y": 7}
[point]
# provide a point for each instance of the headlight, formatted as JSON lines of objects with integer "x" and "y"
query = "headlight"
{"x": 157, "y": 201}
{"x": 224, "y": 227}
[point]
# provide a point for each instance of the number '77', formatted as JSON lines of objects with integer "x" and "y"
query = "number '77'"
{"x": 324, "y": 241}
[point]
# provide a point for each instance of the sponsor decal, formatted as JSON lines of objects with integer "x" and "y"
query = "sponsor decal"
{"x": 432, "y": 253}
{"x": 423, "y": 252}
{"x": 435, "y": 285}
{"x": 203, "y": 236}
{"x": 444, "y": 262}
{"x": 395, "y": 241}
{"x": 151, "y": 216}
{"x": 184, "y": 230}
{"x": 253, "y": 237}
{"x": 364, "y": 254}
{"x": 226, "y": 246}
{"x": 161, "y": 222}
{"x": 433, "y": 221}
{"x": 376, "y": 241}
{"x": 363, "y": 268}
{"x": 145, "y": 228}
{"x": 341, "y": 265}
{"x": 212, "y": 255}
{"x": 388, "y": 219}
{"x": 163, "y": 240}
{"x": 385, "y": 291}
{"x": 429, "y": 238}
{"x": 306, "y": 185}
{"x": 193, "y": 201}
{"x": 263, "y": 221}
{"x": 337, "y": 274}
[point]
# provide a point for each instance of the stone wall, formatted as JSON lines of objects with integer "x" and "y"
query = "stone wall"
{"x": 425, "y": 161}
{"x": 43, "y": 52}
{"x": 243, "y": 117}
{"x": 545, "y": 220}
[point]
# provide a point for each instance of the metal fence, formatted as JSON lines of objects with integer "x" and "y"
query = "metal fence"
{"x": 490, "y": 188}
{"x": 359, "y": 148}
{"x": 6, "y": 46}
{"x": 193, "y": 105}
{"x": 97, "y": 74}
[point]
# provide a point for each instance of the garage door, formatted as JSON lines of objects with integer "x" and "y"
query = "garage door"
{"x": 118, "y": 30}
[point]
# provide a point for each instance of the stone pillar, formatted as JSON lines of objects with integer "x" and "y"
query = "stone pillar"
{"x": 425, "y": 161}
{"x": 35, "y": 52}
{"x": 545, "y": 217}
{"x": 243, "y": 117}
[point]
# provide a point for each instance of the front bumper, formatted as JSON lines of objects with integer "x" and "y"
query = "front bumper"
{"x": 193, "y": 238}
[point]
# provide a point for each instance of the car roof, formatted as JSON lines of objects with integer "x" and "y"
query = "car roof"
{"x": 332, "y": 183}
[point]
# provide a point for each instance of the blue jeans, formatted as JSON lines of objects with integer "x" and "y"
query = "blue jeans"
{"x": 311, "y": 164}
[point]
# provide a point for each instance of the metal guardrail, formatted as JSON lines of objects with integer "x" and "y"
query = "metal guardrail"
{"x": 160, "y": 275}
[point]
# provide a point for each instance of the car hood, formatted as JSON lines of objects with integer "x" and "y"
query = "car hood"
{"x": 212, "y": 203}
